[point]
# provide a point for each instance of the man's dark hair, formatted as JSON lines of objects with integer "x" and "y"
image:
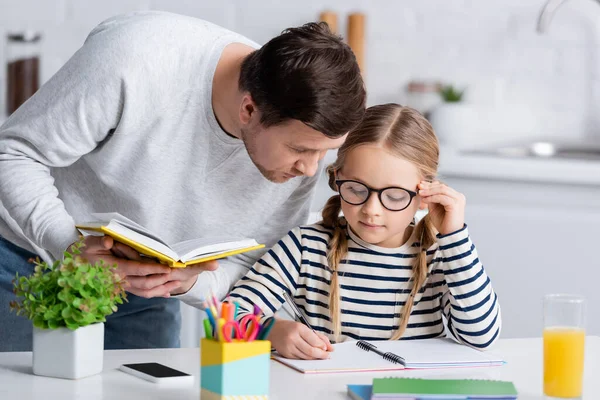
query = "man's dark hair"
{"x": 308, "y": 74}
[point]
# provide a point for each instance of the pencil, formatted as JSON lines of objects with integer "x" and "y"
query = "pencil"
{"x": 297, "y": 311}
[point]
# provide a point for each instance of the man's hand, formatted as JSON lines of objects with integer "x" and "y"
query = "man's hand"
{"x": 143, "y": 276}
{"x": 188, "y": 275}
{"x": 292, "y": 339}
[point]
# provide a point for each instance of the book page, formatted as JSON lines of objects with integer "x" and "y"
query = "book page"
{"x": 142, "y": 239}
{"x": 107, "y": 217}
{"x": 195, "y": 248}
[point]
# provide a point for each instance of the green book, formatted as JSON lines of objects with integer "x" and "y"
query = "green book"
{"x": 466, "y": 388}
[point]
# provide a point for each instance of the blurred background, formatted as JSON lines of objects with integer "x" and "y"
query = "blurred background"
{"x": 512, "y": 92}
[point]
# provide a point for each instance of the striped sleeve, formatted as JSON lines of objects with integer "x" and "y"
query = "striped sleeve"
{"x": 469, "y": 302}
{"x": 277, "y": 271}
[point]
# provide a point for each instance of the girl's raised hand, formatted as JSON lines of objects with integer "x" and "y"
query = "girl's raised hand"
{"x": 446, "y": 206}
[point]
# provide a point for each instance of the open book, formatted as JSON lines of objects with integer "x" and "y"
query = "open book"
{"x": 415, "y": 354}
{"x": 147, "y": 243}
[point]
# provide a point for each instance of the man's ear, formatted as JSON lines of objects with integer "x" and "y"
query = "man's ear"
{"x": 248, "y": 110}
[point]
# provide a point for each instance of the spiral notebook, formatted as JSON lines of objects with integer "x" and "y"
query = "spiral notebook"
{"x": 401, "y": 354}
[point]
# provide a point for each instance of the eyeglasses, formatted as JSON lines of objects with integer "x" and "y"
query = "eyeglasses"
{"x": 392, "y": 198}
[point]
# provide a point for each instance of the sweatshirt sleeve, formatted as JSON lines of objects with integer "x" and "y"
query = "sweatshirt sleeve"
{"x": 72, "y": 114}
{"x": 276, "y": 272}
{"x": 293, "y": 212}
{"x": 469, "y": 302}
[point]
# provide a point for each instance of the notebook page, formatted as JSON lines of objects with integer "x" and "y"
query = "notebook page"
{"x": 437, "y": 352}
{"x": 429, "y": 353}
{"x": 346, "y": 357}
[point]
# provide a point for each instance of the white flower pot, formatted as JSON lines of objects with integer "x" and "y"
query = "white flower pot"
{"x": 63, "y": 353}
{"x": 455, "y": 124}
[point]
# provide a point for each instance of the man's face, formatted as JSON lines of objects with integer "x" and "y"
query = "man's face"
{"x": 284, "y": 151}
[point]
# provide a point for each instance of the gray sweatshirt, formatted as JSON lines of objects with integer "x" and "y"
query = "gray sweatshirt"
{"x": 127, "y": 125}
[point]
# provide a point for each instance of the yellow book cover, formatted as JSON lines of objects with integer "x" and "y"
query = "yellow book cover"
{"x": 178, "y": 255}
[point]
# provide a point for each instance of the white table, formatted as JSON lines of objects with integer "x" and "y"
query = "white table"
{"x": 524, "y": 368}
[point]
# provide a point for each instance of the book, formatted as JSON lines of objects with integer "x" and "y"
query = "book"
{"x": 416, "y": 354}
{"x": 147, "y": 243}
{"x": 411, "y": 388}
{"x": 360, "y": 392}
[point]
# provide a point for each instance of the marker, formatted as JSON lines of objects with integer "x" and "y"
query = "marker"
{"x": 207, "y": 329}
{"x": 225, "y": 311}
{"x": 235, "y": 310}
{"x": 257, "y": 310}
{"x": 220, "y": 323}
{"x": 214, "y": 299}
{"x": 266, "y": 329}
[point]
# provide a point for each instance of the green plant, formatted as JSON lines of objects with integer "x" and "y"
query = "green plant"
{"x": 70, "y": 293}
{"x": 451, "y": 95}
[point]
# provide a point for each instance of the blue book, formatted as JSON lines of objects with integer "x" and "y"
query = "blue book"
{"x": 360, "y": 392}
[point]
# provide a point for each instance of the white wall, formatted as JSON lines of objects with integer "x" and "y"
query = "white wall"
{"x": 491, "y": 45}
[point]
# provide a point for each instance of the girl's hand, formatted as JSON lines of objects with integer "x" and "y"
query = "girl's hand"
{"x": 292, "y": 339}
{"x": 446, "y": 206}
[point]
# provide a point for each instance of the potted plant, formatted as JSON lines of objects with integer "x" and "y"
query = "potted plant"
{"x": 68, "y": 302}
{"x": 450, "y": 94}
{"x": 453, "y": 120}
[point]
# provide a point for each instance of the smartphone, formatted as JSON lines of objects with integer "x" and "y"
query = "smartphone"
{"x": 157, "y": 373}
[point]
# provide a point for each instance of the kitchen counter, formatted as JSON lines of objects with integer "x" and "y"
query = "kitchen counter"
{"x": 456, "y": 163}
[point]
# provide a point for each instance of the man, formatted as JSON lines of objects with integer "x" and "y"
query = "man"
{"x": 187, "y": 129}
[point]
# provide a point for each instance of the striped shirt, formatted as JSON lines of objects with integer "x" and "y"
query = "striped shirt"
{"x": 374, "y": 286}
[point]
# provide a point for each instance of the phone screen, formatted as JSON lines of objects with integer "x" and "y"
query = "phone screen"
{"x": 156, "y": 370}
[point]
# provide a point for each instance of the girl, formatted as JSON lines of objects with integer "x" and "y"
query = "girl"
{"x": 373, "y": 274}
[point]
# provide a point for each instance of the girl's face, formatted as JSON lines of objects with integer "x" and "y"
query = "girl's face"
{"x": 377, "y": 168}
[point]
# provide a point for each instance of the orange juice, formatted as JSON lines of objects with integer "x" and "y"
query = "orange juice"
{"x": 563, "y": 362}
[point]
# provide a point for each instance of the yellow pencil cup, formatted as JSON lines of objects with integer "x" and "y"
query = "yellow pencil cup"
{"x": 234, "y": 371}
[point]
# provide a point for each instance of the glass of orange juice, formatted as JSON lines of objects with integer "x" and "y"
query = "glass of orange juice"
{"x": 564, "y": 340}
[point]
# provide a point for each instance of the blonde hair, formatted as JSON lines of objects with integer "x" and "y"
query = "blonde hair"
{"x": 407, "y": 134}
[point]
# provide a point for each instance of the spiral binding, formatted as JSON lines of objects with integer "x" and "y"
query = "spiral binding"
{"x": 365, "y": 345}
{"x": 394, "y": 358}
{"x": 391, "y": 357}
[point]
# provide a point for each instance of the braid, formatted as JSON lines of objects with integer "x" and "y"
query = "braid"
{"x": 337, "y": 249}
{"x": 426, "y": 231}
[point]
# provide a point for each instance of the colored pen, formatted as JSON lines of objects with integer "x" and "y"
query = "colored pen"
{"x": 225, "y": 313}
{"x": 215, "y": 301}
{"x": 214, "y": 312}
{"x": 233, "y": 314}
{"x": 207, "y": 329}
{"x": 210, "y": 309}
{"x": 266, "y": 329}
{"x": 220, "y": 323}
{"x": 235, "y": 310}
{"x": 211, "y": 318}
{"x": 232, "y": 311}
{"x": 257, "y": 310}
